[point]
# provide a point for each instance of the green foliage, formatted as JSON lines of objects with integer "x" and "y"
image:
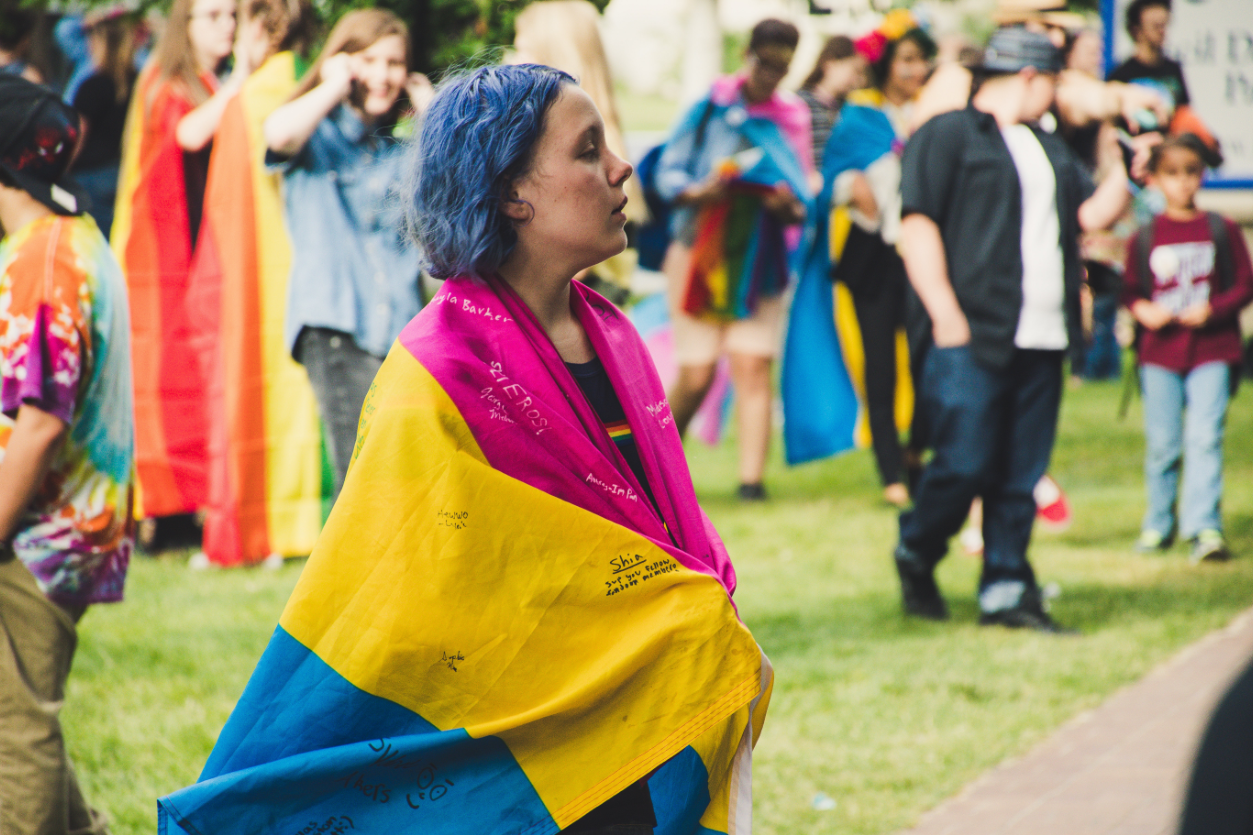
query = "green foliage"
{"x": 451, "y": 32}
{"x": 885, "y": 715}
{"x": 445, "y": 32}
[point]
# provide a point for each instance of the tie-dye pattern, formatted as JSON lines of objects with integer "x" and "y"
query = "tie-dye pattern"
{"x": 65, "y": 348}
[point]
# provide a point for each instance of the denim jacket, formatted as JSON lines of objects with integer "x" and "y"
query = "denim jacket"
{"x": 353, "y": 269}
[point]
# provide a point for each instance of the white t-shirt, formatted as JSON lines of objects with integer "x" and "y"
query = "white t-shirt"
{"x": 1042, "y": 320}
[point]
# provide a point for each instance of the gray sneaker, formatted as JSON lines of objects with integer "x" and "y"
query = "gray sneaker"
{"x": 1151, "y": 542}
{"x": 1209, "y": 546}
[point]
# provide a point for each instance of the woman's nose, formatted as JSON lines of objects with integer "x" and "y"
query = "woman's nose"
{"x": 623, "y": 172}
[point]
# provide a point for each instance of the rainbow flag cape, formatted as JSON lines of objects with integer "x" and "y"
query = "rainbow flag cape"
{"x": 497, "y": 631}
{"x": 823, "y": 375}
{"x": 151, "y": 239}
{"x": 265, "y": 437}
{"x": 741, "y": 251}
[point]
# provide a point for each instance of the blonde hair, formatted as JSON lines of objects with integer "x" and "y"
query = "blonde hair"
{"x": 565, "y": 34}
{"x": 174, "y": 57}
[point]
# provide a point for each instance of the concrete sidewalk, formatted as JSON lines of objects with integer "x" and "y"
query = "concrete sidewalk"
{"x": 1121, "y": 769}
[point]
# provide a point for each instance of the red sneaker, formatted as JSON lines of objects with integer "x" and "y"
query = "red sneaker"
{"x": 1052, "y": 506}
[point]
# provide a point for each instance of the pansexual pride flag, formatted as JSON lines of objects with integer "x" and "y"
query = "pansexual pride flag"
{"x": 497, "y": 631}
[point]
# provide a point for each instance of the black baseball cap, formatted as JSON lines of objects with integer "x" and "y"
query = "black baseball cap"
{"x": 1014, "y": 48}
{"x": 39, "y": 136}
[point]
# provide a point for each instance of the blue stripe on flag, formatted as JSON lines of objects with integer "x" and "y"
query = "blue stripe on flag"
{"x": 306, "y": 752}
{"x": 680, "y": 791}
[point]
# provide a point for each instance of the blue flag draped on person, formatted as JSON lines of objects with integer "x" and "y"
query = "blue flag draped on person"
{"x": 822, "y": 356}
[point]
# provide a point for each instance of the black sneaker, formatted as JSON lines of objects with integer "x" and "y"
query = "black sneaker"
{"x": 1028, "y": 614}
{"x": 753, "y": 492}
{"x": 920, "y": 596}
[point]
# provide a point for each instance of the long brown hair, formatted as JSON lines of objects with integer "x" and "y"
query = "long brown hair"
{"x": 837, "y": 48}
{"x": 175, "y": 59}
{"x": 290, "y": 24}
{"x": 118, "y": 34}
{"x": 359, "y": 29}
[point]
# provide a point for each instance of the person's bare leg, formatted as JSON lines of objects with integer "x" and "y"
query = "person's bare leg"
{"x": 688, "y": 392}
{"x": 751, "y": 377}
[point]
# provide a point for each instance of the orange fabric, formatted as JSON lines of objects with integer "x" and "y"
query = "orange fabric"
{"x": 265, "y": 476}
{"x": 1186, "y": 120}
{"x": 235, "y": 528}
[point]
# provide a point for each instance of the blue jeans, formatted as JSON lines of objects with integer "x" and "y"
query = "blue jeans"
{"x": 1184, "y": 415}
{"x": 992, "y": 432}
{"x": 1103, "y": 360}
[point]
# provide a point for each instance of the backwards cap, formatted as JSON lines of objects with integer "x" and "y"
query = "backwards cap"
{"x": 39, "y": 136}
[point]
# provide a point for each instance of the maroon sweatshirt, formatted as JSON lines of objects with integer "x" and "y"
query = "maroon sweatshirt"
{"x": 1182, "y": 260}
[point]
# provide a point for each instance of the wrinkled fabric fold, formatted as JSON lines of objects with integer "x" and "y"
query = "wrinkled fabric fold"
{"x": 497, "y": 631}
{"x": 822, "y": 382}
{"x": 152, "y": 240}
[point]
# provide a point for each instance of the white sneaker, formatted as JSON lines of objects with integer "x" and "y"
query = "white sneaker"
{"x": 199, "y": 562}
{"x": 971, "y": 539}
{"x": 273, "y": 562}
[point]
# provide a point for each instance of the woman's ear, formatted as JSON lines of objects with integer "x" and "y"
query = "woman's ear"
{"x": 516, "y": 209}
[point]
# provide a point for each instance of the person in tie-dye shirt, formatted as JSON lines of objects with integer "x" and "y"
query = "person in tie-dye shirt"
{"x": 66, "y": 450}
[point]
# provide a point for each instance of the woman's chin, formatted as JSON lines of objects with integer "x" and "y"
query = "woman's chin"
{"x": 374, "y": 108}
{"x": 610, "y": 250}
{"x": 620, "y": 244}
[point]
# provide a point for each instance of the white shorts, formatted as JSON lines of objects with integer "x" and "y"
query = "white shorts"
{"x": 698, "y": 342}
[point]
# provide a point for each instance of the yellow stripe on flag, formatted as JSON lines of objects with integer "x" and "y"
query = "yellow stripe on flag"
{"x": 293, "y": 431}
{"x": 480, "y": 602}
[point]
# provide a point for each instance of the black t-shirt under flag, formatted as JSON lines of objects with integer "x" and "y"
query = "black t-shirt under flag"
{"x": 598, "y": 389}
{"x": 1166, "y": 72}
{"x": 634, "y": 804}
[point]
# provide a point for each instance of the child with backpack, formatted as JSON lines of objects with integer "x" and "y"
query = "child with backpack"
{"x": 1187, "y": 277}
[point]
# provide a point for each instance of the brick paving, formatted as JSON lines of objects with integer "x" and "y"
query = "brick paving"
{"x": 1120, "y": 769}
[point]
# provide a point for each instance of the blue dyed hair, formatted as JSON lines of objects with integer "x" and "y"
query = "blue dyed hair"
{"x": 477, "y": 138}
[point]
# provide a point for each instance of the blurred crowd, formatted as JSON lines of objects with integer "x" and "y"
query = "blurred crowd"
{"x": 928, "y": 235}
{"x": 247, "y": 187}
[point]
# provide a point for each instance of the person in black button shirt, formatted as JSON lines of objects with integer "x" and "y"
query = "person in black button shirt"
{"x": 992, "y": 208}
{"x": 103, "y": 99}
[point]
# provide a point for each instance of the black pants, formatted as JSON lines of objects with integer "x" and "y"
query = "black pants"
{"x": 992, "y": 431}
{"x": 879, "y": 301}
{"x": 341, "y": 374}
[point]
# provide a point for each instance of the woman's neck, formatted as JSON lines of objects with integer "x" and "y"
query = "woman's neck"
{"x": 545, "y": 290}
{"x": 365, "y": 118}
{"x": 205, "y": 62}
{"x": 895, "y": 95}
{"x": 1148, "y": 54}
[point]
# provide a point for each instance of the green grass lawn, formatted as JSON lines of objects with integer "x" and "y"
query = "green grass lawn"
{"x": 885, "y": 716}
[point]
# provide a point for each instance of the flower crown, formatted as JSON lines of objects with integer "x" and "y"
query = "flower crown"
{"x": 895, "y": 24}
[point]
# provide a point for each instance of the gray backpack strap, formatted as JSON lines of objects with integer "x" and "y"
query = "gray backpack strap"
{"x": 1143, "y": 246}
{"x": 1224, "y": 268}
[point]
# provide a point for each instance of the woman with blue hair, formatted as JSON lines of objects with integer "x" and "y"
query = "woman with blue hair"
{"x": 517, "y": 618}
